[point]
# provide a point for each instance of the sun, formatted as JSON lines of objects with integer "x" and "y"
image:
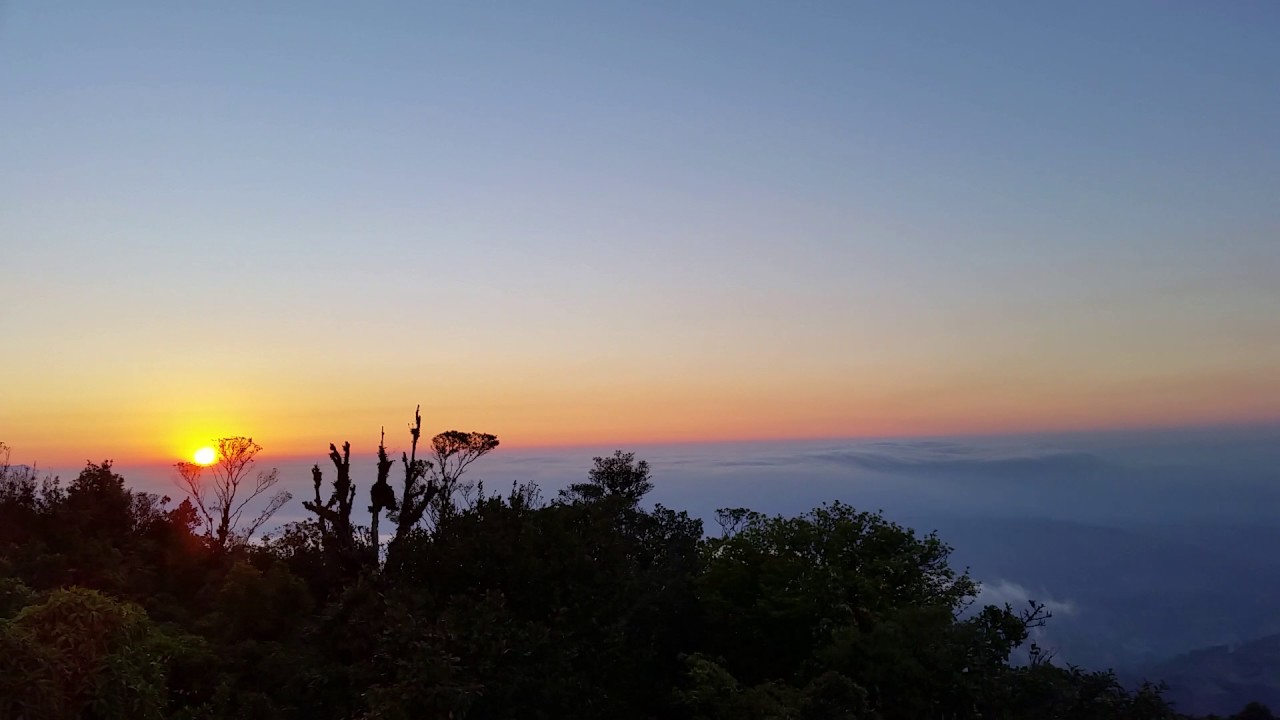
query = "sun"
{"x": 205, "y": 456}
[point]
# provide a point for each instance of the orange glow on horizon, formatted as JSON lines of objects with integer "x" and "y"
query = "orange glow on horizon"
{"x": 280, "y": 446}
{"x": 298, "y": 418}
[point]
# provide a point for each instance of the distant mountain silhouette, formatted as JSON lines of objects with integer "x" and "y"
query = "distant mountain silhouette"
{"x": 1140, "y": 595}
{"x": 1223, "y": 679}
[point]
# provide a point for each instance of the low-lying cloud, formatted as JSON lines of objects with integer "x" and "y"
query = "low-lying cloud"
{"x": 1003, "y": 592}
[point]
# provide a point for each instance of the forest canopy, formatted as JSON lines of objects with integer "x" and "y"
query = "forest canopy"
{"x": 117, "y": 604}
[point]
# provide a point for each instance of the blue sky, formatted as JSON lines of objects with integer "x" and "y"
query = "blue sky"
{"x": 773, "y": 219}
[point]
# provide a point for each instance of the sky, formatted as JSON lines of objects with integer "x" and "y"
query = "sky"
{"x": 609, "y": 223}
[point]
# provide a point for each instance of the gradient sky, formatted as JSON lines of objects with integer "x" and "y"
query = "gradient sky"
{"x": 632, "y": 222}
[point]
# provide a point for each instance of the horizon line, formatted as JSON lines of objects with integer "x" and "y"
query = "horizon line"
{"x": 626, "y": 446}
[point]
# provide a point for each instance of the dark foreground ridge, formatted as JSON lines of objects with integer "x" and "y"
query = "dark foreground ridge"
{"x": 118, "y": 604}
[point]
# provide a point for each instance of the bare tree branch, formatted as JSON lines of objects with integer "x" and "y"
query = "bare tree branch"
{"x": 276, "y": 502}
{"x": 192, "y": 483}
{"x": 220, "y": 500}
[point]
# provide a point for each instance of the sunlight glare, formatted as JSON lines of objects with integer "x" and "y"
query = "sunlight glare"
{"x": 205, "y": 456}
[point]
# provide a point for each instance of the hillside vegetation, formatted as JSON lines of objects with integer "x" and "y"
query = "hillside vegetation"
{"x": 467, "y": 603}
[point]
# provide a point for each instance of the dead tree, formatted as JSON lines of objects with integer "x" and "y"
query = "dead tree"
{"x": 337, "y": 534}
{"x": 427, "y": 488}
{"x": 417, "y": 491}
{"x": 381, "y": 496}
{"x": 223, "y": 498}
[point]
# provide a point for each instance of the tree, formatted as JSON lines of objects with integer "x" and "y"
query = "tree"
{"x": 223, "y": 500}
{"x": 24, "y": 502}
{"x": 1254, "y": 711}
{"x": 501, "y": 607}
{"x": 428, "y": 486}
{"x": 847, "y": 594}
{"x": 430, "y": 483}
{"x": 558, "y": 610}
{"x": 81, "y": 654}
{"x": 617, "y": 476}
{"x": 381, "y": 496}
{"x": 334, "y": 516}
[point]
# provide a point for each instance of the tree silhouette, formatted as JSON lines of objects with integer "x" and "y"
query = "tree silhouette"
{"x": 426, "y": 492}
{"x": 1254, "y": 711}
{"x": 223, "y": 498}
{"x": 430, "y": 484}
{"x": 111, "y": 607}
{"x": 334, "y": 516}
{"x": 381, "y": 496}
{"x": 618, "y": 475}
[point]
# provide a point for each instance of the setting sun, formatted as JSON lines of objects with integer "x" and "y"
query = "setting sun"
{"x": 205, "y": 456}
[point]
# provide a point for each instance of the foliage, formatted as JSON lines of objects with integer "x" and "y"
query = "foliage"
{"x": 80, "y": 653}
{"x": 115, "y": 604}
{"x": 618, "y": 476}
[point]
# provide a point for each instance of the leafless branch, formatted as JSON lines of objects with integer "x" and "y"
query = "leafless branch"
{"x": 276, "y": 502}
{"x": 191, "y": 481}
{"x": 220, "y": 500}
